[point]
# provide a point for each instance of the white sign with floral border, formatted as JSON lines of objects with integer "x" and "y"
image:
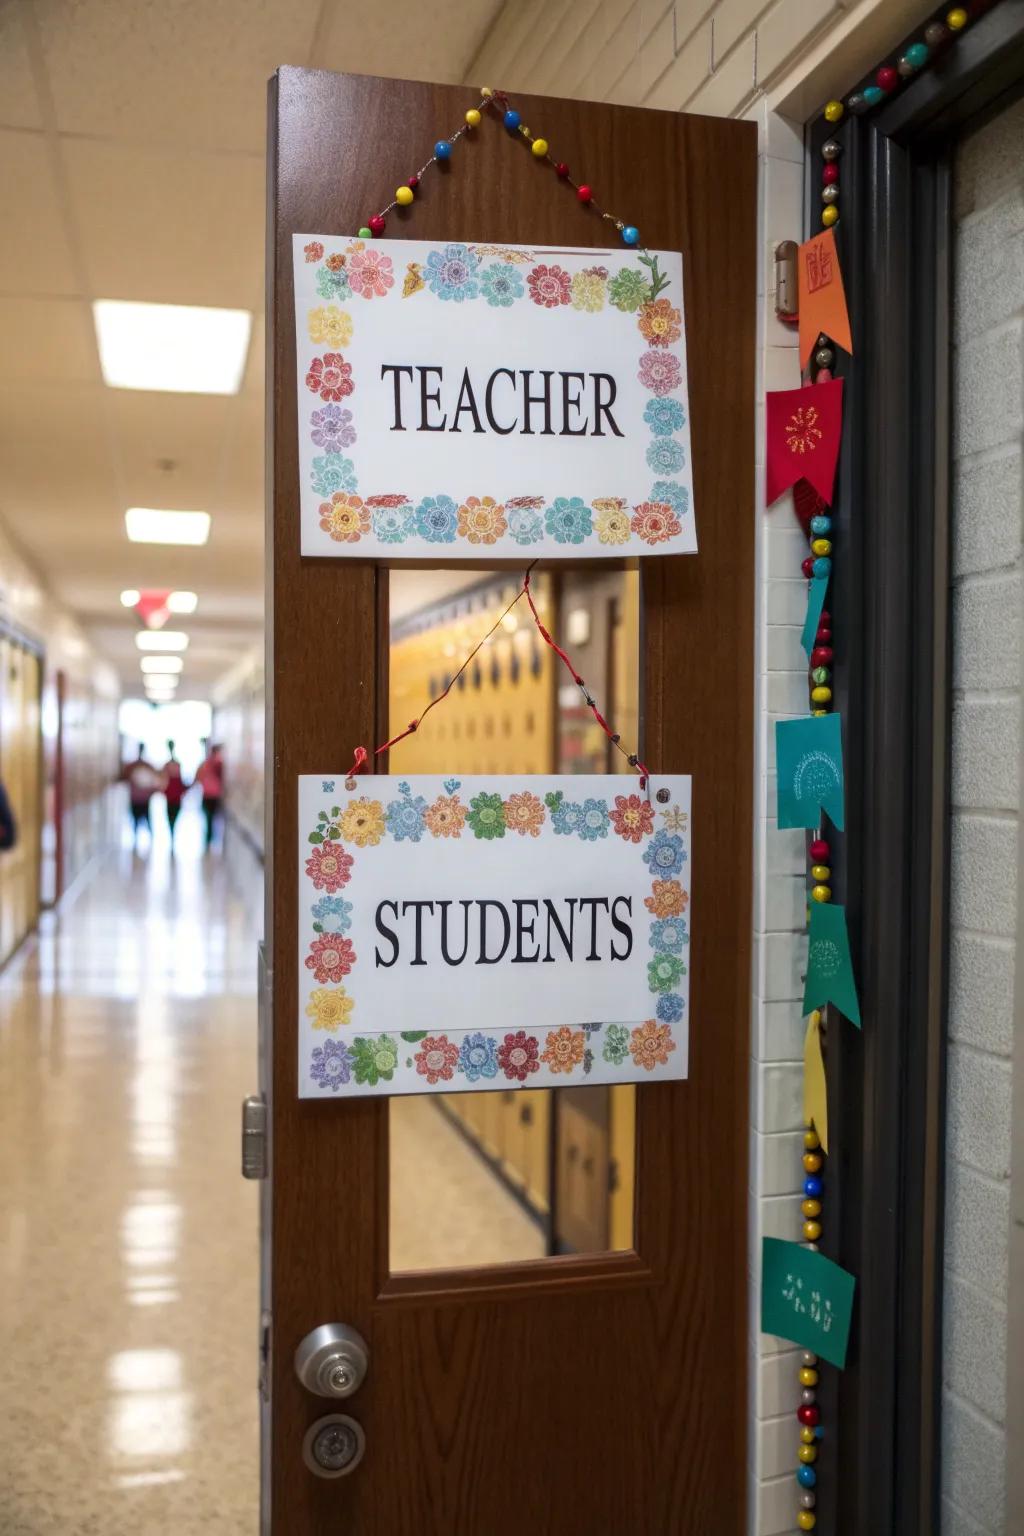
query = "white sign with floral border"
{"x": 461, "y": 934}
{"x": 458, "y": 401}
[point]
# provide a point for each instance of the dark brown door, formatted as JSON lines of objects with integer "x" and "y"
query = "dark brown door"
{"x": 600, "y": 1394}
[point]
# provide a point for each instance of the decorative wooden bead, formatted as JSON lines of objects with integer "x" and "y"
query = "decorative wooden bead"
{"x": 806, "y": 1477}
{"x": 806, "y": 1520}
{"x": 819, "y": 850}
{"x": 813, "y": 1187}
{"x": 485, "y": 90}
{"x": 561, "y": 169}
{"x": 378, "y": 224}
{"x": 807, "y": 1501}
{"x": 824, "y": 357}
{"x": 856, "y": 102}
{"x": 812, "y": 1231}
{"x": 820, "y": 675}
{"x": 821, "y": 546}
{"x": 807, "y": 1435}
{"x": 820, "y": 523}
{"x": 935, "y": 34}
{"x": 808, "y": 1454}
{"x": 820, "y": 872}
{"x": 808, "y": 1413}
{"x": 511, "y": 120}
{"x": 812, "y": 1160}
{"x": 539, "y": 147}
{"x": 824, "y": 635}
{"x": 442, "y": 150}
{"x": 873, "y": 95}
{"x": 830, "y": 194}
{"x": 917, "y": 55}
{"x": 821, "y": 656}
{"x": 473, "y": 118}
{"x": 824, "y": 617}
{"x": 811, "y": 1209}
{"x": 833, "y": 111}
{"x": 811, "y": 1141}
{"x": 821, "y": 694}
{"x": 829, "y": 172}
{"x": 829, "y": 215}
{"x": 808, "y": 1377}
{"x": 365, "y": 234}
{"x": 413, "y": 182}
{"x": 822, "y": 566}
{"x": 631, "y": 235}
{"x": 807, "y": 566}
{"x": 584, "y": 193}
{"x": 821, "y": 893}
{"x": 956, "y": 19}
{"x": 887, "y": 79}
{"x": 831, "y": 149}
{"x": 404, "y": 196}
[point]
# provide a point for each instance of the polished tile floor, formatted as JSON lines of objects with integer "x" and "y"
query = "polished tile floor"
{"x": 128, "y": 1247}
{"x": 128, "y": 1239}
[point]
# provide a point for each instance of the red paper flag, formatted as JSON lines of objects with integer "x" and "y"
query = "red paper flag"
{"x": 802, "y": 429}
{"x": 821, "y": 295}
{"x": 152, "y": 607}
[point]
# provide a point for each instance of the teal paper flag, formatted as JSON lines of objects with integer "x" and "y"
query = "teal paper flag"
{"x": 809, "y": 759}
{"x": 815, "y": 603}
{"x": 829, "y": 968}
{"x": 806, "y": 1298}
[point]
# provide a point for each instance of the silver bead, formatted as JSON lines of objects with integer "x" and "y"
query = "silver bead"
{"x": 831, "y": 150}
{"x": 935, "y": 34}
{"x": 830, "y": 194}
{"x": 807, "y": 1501}
{"x": 809, "y": 1359}
{"x": 824, "y": 357}
{"x": 904, "y": 66}
{"x": 812, "y": 1246}
{"x": 808, "y": 1395}
{"x": 856, "y": 103}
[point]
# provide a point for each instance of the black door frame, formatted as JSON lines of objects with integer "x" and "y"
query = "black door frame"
{"x": 880, "y": 1469}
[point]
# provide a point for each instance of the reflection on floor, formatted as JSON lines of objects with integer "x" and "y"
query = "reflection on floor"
{"x": 128, "y": 1253}
{"x": 447, "y": 1208}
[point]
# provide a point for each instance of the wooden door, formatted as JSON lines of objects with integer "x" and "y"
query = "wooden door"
{"x": 600, "y": 1394}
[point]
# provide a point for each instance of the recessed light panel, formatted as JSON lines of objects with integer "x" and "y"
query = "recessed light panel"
{"x": 176, "y": 347}
{"x": 161, "y": 664}
{"x": 161, "y": 640}
{"x": 129, "y": 597}
{"x": 182, "y": 602}
{"x": 154, "y": 525}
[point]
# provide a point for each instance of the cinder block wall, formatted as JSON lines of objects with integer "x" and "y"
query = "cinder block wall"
{"x": 988, "y": 407}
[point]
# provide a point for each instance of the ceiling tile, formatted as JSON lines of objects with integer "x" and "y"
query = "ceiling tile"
{"x": 47, "y": 341}
{"x": 172, "y": 229}
{"x": 19, "y": 106}
{"x": 170, "y": 447}
{"x": 34, "y": 252}
{"x": 185, "y": 74}
{"x": 369, "y": 41}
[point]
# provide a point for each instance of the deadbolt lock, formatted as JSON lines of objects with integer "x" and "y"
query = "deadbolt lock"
{"x": 332, "y": 1361}
{"x": 334, "y": 1445}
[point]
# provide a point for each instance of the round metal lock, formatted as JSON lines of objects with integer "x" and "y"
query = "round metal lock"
{"x": 333, "y": 1446}
{"x": 332, "y": 1361}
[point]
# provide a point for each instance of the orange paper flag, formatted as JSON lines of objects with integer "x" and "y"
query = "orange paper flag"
{"x": 821, "y": 296}
{"x": 815, "y": 1096}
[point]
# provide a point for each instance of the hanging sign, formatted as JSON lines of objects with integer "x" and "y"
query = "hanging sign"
{"x": 462, "y": 401}
{"x": 467, "y": 933}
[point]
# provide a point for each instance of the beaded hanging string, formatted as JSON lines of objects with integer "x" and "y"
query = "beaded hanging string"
{"x": 498, "y": 103}
{"x": 361, "y": 757}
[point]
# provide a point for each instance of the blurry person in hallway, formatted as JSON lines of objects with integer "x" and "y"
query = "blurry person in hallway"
{"x": 174, "y": 787}
{"x": 143, "y": 782}
{"x": 8, "y": 825}
{"x": 210, "y": 778}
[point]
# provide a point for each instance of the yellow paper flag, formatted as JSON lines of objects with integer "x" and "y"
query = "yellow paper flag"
{"x": 815, "y": 1097}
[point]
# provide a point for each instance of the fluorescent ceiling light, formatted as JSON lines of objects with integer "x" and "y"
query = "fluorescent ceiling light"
{"x": 161, "y": 640}
{"x": 153, "y": 525}
{"x": 160, "y": 695}
{"x": 182, "y": 602}
{"x": 176, "y": 347}
{"x": 129, "y": 597}
{"x": 161, "y": 663}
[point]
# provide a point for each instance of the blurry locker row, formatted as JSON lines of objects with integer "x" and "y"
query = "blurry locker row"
{"x": 21, "y": 772}
{"x": 565, "y": 1155}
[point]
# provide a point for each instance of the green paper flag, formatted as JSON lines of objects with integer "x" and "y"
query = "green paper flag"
{"x": 806, "y": 1298}
{"x": 809, "y": 759}
{"x": 815, "y": 603}
{"x": 829, "y": 967}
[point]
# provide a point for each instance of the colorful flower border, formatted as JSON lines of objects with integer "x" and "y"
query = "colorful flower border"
{"x": 345, "y": 832}
{"x": 354, "y": 271}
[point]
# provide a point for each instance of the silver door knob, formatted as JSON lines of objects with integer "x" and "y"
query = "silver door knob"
{"x": 332, "y": 1361}
{"x": 333, "y": 1446}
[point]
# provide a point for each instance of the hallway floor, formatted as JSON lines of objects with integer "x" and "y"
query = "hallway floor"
{"x": 128, "y": 1249}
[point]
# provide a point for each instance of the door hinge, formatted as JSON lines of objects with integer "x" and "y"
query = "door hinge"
{"x": 254, "y": 1137}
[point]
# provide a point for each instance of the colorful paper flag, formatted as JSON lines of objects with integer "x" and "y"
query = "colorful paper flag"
{"x": 829, "y": 966}
{"x": 815, "y": 603}
{"x": 802, "y": 434}
{"x": 809, "y": 762}
{"x": 815, "y": 1093}
{"x": 821, "y": 296}
{"x": 806, "y": 1298}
